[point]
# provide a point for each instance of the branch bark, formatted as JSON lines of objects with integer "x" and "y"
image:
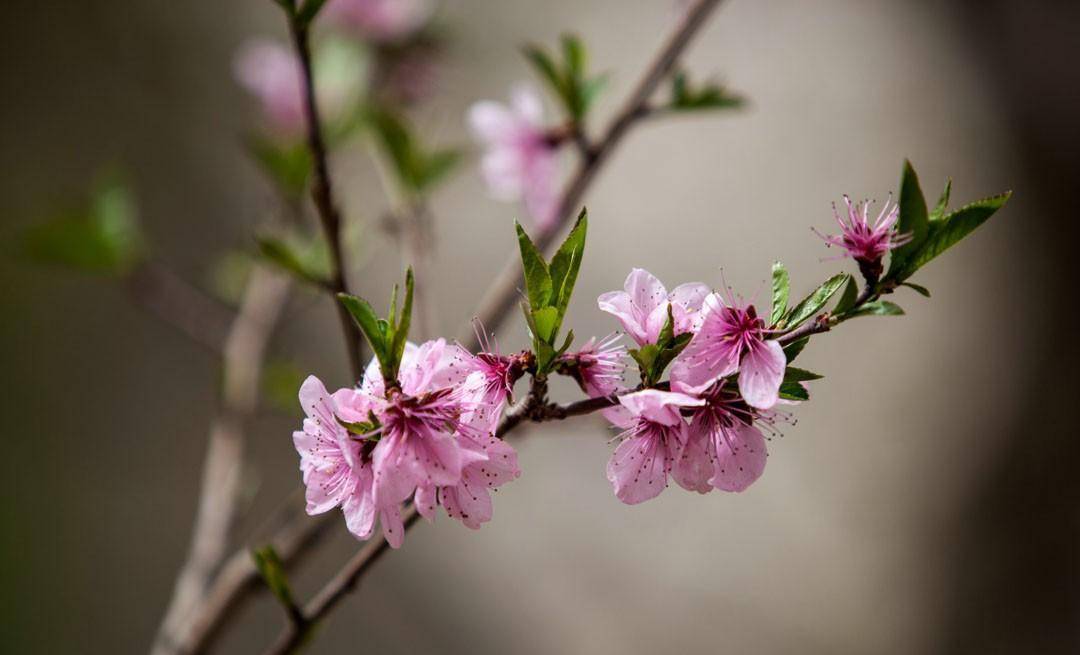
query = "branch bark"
{"x": 243, "y": 354}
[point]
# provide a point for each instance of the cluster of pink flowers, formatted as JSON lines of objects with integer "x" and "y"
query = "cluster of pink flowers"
{"x": 431, "y": 439}
{"x": 702, "y": 432}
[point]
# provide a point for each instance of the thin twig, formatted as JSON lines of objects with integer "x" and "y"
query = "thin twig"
{"x": 175, "y": 301}
{"x": 502, "y": 294}
{"x": 323, "y": 195}
{"x": 243, "y": 355}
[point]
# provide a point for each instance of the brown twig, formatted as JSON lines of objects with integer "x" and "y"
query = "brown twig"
{"x": 502, "y": 294}
{"x": 323, "y": 195}
{"x": 170, "y": 298}
{"x": 242, "y": 359}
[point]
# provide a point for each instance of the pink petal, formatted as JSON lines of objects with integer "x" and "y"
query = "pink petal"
{"x": 740, "y": 457}
{"x": 760, "y": 374}
{"x": 638, "y": 469}
{"x": 359, "y": 506}
{"x": 686, "y": 305}
{"x": 527, "y": 104}
{"x": 619, "y": 304}
{"x": 468, "y": 501}
{"x": 492, "y": 122}
{"x": 392, "y": 526}
{"x": 425, "y": 501}
{"x": 694, "y": 465}
{"x": 659, "y": 406}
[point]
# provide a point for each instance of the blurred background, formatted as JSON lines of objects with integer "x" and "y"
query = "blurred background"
{"x": 926, "y": 502}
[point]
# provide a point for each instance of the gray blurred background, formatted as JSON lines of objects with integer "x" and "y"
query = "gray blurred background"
{"x": 927, "y": 501}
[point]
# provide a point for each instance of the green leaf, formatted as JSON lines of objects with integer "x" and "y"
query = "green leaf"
{"x": 544, "y": 65}
{"x": 781, "y": 289}
{"x": 943, "y": 202}
{"x": 401, "y": 329}
{"x": 436, "y": 167}
{"x": 848, "y": 298}
{"x": 913, "y": 219}
{"x": 645, "y": 357}
{"x": 281, "y": 381}
{"x": 308, "y": 11}
{"x": 103, "y": 236}
{"x": 794, "y": 391}
{"x": 284, "y": 255}
{"x": 917, "y": 287}
{"x": 792, "y": 350}
{"x": 538, "y": 283}
{"x": 709, "y": 96}
{"x": 288, "y": 166}
{"x": 368, "y": 322}
{"x": 667, "y": 332}
{"x": 792, "y": 374}
{"x": 545, "y": 320}
{"x": 878, "y": 308}
{"x": 950, "y": 229}
{"x": 272, "y": 570}
{"x": 591, "y": 89}
{"x": 573, "y": 55}
{"x": 668, "y": 355}
{"x": 811, "y": 304}
{"x": 566, "y": 263}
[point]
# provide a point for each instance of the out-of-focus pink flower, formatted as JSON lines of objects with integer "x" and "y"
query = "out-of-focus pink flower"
{"x": 599, "y": 366}
{"x": 380, "y": 20}
{"x": 652, "y": 440}
{"x": 642, "y": 306}
{"x": 724, "y": 450}
{"x": 335, "y": 467}
{"x": 520, "y": 162}
{"x": 862, "y": 240}
{"x": 731, "y": 338}
{"x": 271, "y": 72}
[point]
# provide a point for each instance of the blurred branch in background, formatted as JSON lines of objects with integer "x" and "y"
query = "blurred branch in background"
{"x": 242, "y": 363}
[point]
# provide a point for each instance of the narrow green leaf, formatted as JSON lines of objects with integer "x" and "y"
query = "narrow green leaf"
{"x": 792, "y": 350}
{"x": 591, "y": 90}
{"x": 943, "y": 202}
{"x": 793, "y": 374}
{"x": 538, "y": 284}
{"x": 545, "y": 320}
{"x": 794, "y": 391}
{"x": 816, "y": 300}
{"x": 436, "y": 167}
{"x": 847, "y": 299}
{"x": 667, "y": 332}
{"x": 272, "y": 571}
{"x": 918, "y": 288}
{"x": 544, "y": 65}
{"x": 781, "y": 289}
{"x": 566, "y": 263}
{"x": 913, "y": 218}
{"x": 952, "y": 228}
{"x": 566, "y": 343}
{"x": 308, "y": 11}
{"x": 284, "y": 255}
{"x": 878, "y": 308}
{"x": 368, "y": 322}
{"x": 401, "y": 330}
{"x": 573, "y": 55}
{"x": 102, "y": 236}
{"x": 288, "y": 166}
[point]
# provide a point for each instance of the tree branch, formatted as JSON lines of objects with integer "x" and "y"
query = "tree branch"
{"x": 323, "y": 196}
{"x": 243, "y": 354}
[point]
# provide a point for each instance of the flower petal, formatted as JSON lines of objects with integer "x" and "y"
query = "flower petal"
{"x": 638, "y": 469}
{"x": 740, "y": 457}
{"x": 695, "y": 463}
{"x": 659, "y": 406}
{"x": 761, "y": 372}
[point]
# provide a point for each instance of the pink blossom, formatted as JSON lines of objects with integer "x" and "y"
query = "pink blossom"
{"x": 732, "y": 338}
{"x": 724, "y": 450}
{"x": 380, "y": 20}
{"x": 642, "y": 306}
{"x": 271, "y": 73}
{"x": 598, "y": 366}
{"x": 652, "y": 441}
{"x": 335, "y": 467}
{"x": 438, "y": 435}
{"x": 520, "y": 161}
{"x": 861, "y": 240}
